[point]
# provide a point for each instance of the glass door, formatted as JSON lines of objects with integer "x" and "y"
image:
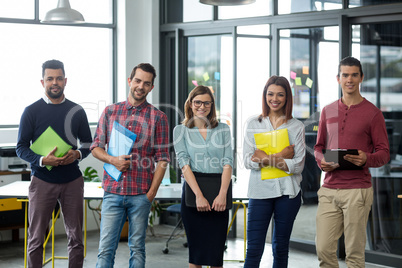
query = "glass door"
{"x": 210, "y": 63}
{"x": 305, "y": 60}
{"x": 379, "y": 47}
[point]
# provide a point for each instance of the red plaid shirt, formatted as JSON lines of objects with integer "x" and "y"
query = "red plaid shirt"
{"x": 151, "y": 144}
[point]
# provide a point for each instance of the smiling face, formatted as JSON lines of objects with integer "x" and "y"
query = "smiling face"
{"x": 349, "y": 79}
{"x": 201, "y": 105}
{"x": 54, "y": 82}
{"x": 276, "y": 99}
{"x": 140, "y": 86}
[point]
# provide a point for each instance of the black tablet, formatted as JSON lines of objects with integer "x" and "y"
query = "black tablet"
{"x": 336, "y": 156}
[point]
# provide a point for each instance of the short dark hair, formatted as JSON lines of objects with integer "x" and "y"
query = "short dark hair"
{"x": 284, "y": 83}
{"x": 146, "y": 67}
{"x": 350, "y": 61}
{"x": 52, "y": 64}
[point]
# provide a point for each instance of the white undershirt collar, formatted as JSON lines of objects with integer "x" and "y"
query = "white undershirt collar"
{"x": 48, "y": 101}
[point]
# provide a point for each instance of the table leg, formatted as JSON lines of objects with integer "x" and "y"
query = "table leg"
{"x": 51, "y": 232}
{"x": 53, "y": 222}
{"x": 25, "y": 232}
{"x": 85, "y": 228}
{"x": 245, "y": 223}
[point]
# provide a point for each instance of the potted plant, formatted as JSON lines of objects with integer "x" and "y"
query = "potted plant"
{"x": 91, "y": 175}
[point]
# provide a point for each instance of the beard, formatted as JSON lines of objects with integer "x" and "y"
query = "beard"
{"x": 143, "y": 97}
{"x": 55, "y": 95}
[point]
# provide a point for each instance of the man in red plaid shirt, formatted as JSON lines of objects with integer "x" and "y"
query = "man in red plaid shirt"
{"x": 131, "y": 195}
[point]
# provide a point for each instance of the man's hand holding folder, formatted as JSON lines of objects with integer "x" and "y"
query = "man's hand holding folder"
{"x": 51, "y": 146}
{"x": 119, "y": 147}
{"x": 70, "y": 157}
{"x": 121, "y": 162}
{"x": 52, "y": 160}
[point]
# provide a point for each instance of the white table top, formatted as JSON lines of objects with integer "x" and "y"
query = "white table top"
{"x": 93, "y": 190}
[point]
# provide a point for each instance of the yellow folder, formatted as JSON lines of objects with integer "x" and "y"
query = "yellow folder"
{"x": 272, "y": 142}
{"x": 46, "y": 142}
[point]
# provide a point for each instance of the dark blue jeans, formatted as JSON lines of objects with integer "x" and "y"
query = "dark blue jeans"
{"x": 260, "y": 212}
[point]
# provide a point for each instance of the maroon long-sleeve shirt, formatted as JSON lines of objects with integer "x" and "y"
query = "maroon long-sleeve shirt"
{"x": 361, "y": 127}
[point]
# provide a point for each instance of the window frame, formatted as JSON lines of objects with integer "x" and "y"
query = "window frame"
{"x": 343, "y": 18}
{"x": 112, "y": 26}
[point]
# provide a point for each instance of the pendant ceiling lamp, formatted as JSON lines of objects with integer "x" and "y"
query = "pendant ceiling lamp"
{"x": 227, "y": 2}
{"x": 63, "y": 14}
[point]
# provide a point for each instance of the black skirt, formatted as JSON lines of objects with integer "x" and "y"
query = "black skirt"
{"x": 206, "y": 234}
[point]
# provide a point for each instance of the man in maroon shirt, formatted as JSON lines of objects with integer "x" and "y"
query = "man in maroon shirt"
{"x": 346, "y": 196}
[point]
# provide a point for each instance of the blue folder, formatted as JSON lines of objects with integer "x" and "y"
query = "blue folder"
{"x": 120, "y": 143}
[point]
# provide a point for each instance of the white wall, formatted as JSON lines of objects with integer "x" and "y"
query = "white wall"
{"x": 138, "y": 41}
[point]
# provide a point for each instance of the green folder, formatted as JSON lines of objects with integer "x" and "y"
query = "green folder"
{"x": 46, "y": 142}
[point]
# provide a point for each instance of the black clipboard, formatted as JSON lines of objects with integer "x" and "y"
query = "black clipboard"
{"x": 336, "y": 156}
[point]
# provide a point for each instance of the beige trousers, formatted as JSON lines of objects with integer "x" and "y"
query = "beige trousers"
{"x": 342, "y": 211}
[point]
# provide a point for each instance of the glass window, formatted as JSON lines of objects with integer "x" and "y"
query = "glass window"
{"x": 379, "y": 48}
{"x": 18, "y": 9}
{"x": 294, "y": 6}
{"x": 259, "y": 8}
{"x": 86, "y": 53}
{"x": 210, "y": 63}
{"x": 178, "y": 11}
{"x": 312, "y": 76}
{"x": 94, "y": 11}
{"x": 193, "y": 10}
{"x": 359, "y": 3}
{"x": 313, "y": 83}
{"x": 294, "y": 58}
{"x": 252, "y": 75}
{"x": 261, "y": 30}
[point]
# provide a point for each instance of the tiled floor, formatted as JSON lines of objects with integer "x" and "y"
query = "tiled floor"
{"x": 12, "y": 254}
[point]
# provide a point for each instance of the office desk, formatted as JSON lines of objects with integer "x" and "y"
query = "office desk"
{"x": 12, "y": 211}
{"x": 19, "y": 190}
{"x": 93, "y": 191}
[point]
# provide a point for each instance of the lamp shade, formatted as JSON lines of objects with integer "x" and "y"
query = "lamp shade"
{"x": 227, "y": 2}
{"x": 63, "y": 14}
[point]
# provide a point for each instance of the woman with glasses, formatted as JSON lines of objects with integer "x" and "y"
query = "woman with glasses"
{"x": 203, "y": 148}
{"x": 279, "y": 196}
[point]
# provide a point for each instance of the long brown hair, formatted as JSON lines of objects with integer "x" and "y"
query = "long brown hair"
{"x": 189, "y": 115}
{"x": 283, "y": 82}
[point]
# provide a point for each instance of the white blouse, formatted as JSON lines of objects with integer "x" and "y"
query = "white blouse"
{"x": 272, "y": 188}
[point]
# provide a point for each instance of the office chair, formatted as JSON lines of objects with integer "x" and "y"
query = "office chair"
{"x": 175, "y": 209}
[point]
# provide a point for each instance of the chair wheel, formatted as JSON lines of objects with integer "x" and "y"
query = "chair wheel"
{"x": 185, "y": 245}
{"x": 165, "y": 251}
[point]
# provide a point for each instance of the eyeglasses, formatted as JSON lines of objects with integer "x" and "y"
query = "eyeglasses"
{"x": 198, "y": 103}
